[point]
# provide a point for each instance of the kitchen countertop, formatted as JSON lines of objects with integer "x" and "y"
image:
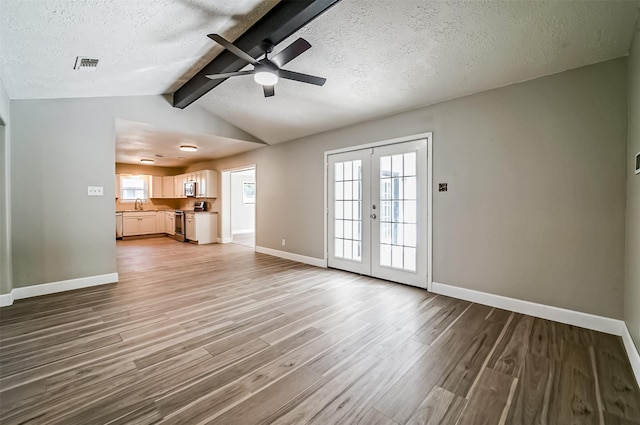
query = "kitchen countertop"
{"x": 187, "y": 211}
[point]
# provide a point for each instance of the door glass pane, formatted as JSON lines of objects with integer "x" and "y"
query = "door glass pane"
{"x": 339, "y": 228}
{"x": 398, "y": 211}
{"x": 339, "y": 167}
{"x": 339, "y": 194}
{"x": 410, "y": 259}
{"x": 410, "y": 164}
{"x": 339, "y": 247}
{"x": 410, "y": 188}
{"x": 396, "y": 165}
{"x": 348, "y": 210}
{"x": 338, "y": 210}
{"x": 410, "y": 210}
{"x": 348, "y": 229}
{"x": 385, "y": 255}
{"x": 385, "y": 188}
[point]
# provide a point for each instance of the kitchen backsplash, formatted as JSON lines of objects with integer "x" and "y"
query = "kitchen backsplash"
{"x": 153, "y": 204}
{"x": 187, "y": 204}
{"x": 169, "y": 204}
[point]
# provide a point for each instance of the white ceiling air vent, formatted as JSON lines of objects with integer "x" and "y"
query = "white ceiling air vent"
{"x": 85, "y": 64}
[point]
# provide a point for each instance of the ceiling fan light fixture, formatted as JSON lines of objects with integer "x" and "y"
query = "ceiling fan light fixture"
{"x": 266, "y": 78}
{"x": 147, "y": 161}
{"x": 188, "y": 148}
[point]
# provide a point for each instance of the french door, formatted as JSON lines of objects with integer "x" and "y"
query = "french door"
{"x": 377, "y": 222}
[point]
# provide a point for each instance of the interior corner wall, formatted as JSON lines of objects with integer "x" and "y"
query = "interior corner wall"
{"x": 61, "y": 146}
{"x": 5, "y": 193}
{"x": 536, "y": 202}
{"x": 632, "y": 278}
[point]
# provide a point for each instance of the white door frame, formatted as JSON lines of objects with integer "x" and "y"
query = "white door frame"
{"x": 225, "y": 207}
{"x": 429, "y": 137}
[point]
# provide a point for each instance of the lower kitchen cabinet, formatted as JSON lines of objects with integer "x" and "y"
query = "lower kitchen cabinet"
{"x": 160, "y": 228}
{"x": 138, "y": 223}
{"x": 170, "y": 222}
{"x": 190, "y": 227}
{"x": 201, "y": 227}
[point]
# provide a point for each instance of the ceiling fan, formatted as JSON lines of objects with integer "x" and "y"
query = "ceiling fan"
{"x": 266, "y": 71}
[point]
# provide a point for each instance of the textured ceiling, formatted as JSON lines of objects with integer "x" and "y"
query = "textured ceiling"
{"x": 135, "y": 140}
{"x": 383, "y": 57}
{"x": 144, "y": 46}
{"x": 379, "y": 57}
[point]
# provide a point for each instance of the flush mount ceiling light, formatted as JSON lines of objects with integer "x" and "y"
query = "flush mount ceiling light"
{"x": 188, "y": 148}
{"x": 147, "y": 161}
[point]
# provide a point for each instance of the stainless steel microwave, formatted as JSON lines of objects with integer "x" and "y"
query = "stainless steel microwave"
{"x": 190, "y": 189}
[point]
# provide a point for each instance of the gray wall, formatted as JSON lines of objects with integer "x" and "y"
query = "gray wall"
{"x": 242, "y": 216}
{"x": 632, "y": 282}
{"x": 536, "y": 201}
{"x": 62, "y": 146}
{"x": 5, "y": 192}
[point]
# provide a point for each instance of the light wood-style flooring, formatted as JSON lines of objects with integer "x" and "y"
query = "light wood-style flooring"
{"x": 219, "y": 334}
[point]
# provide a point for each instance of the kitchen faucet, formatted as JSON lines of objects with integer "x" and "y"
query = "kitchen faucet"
{"x": 138, "y": 204}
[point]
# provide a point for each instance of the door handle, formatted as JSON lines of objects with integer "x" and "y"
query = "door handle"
{"x": 373, "y": 216}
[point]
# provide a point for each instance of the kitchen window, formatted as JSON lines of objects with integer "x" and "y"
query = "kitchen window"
{"x": 134, "y": 187}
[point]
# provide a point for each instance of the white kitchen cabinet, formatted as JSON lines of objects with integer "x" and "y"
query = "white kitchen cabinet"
{"x": 160, "y": 221}
{"x": 156, "y": 187}
{"x": 168, "y": 187}
{"x": 190, "y": 226}
{"x": 170, "y": 223}
{"x": 206, "y": 184}
{"x": 179, "y": 181}
{"x": 138, "y": 223}
{"x": 202, "y": 227}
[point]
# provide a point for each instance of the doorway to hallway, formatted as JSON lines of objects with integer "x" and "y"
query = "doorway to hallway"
{"x": 242, "y": 206}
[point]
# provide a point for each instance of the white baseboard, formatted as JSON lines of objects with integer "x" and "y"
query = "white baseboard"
{"x": 557, "y": 314}
{"x": 632, "y": 353}
{"x": 6, "y": 300}
{"x": 226, "y": 240}
{"x": 53, "y": 287}
{"x": 318, "y": 262}
{"x": 242, "y": 231}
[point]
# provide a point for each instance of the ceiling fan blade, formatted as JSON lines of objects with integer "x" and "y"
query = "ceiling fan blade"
{"x": 291, "y": 52}
{"x": 232, "y": 48}
{"x": 303, "y": 78}
{"x": 227, "y": 75}
{"x": 269, "y": 91}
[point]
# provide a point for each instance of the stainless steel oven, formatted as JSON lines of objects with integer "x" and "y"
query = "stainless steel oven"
{"x": 180, "y": 226}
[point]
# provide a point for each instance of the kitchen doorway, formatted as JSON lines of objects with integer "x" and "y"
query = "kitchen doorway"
{"x": 239, "y": 206}
{"x": 379, "y": 209}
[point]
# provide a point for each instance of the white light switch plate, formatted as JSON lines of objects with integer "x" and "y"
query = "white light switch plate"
{"x": 95, "y": 190}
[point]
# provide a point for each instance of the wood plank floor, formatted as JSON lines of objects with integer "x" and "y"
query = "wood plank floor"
{"x": 221, "y": 335}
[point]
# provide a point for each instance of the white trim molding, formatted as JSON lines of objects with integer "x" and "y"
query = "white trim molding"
{"x": 570, "y": 317}
{"x": 243, "y": 231}
{"x": 632, "y": 352}
{"x": 6, "y": 300}
{"x": 318, "y": 262}
{"x": 54, "y": 287}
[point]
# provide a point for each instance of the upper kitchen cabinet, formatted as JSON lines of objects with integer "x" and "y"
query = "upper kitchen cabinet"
{"x": 206, "y": 184}
{"x": 168, "y": 187}
{"x": 179, "y": 181}
{"x": 156, "y": 190}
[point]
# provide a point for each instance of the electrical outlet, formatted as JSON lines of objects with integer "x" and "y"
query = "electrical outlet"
{"x": 284, "y": 242}
{"x": 442, "y": 187}
{"x": 95, "y": 190}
